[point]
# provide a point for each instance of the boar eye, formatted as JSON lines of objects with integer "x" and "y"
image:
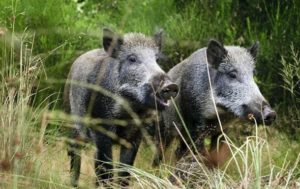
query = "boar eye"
{"x": 132, "y": 58}
{"x": 232, "y": 74}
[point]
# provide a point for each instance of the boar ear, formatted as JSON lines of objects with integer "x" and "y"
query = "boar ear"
{"x": 111, "y": 42}
{"x": 215, "y": 53}
{"x": 254, "y": 49}
{"x": 158, "y": 38}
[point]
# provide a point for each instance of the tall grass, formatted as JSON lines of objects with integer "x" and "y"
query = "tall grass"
{"x": 22, "y": 124}
{"x": 256, "y": 164}
{"x": 290, "y": 73}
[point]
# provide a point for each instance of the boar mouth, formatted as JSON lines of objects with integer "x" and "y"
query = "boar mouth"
{"x": 159, "y": 101}
{"x": 246, "y": 115}
{"x": 242, "y": 114}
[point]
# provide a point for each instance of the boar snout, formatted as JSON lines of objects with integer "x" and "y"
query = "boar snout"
{"x": 164, "y": 87}
{"x": 263, "y": 112}
{"x": 269, "y": 115}
{"x": 163, "y": 90}
{"x": 168, "y": 90}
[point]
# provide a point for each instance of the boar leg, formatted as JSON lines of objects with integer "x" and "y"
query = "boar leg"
{"x": 103, "y": 158}
{"x": 78, "y": 97}
{"x": 127, "y": 156}
{"x": 197, "y": 139}
{"x": 162, "y": 144}
{"x": 74, "y": 153}
{"x": 181, "y": 150}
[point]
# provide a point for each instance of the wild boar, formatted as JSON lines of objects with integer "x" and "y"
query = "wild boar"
{"x": 236, "y": 95}
{"x": 126, "y": 67}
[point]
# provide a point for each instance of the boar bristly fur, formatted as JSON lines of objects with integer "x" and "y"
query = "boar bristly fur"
{"x": 126, "y": 67}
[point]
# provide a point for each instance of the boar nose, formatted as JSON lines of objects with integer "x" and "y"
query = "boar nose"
{"x": 168, "y": 90}
{"x": 269, "y": 115}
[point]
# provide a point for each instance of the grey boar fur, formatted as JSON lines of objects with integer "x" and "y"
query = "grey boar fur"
{"x": 235, "y": 92}
{"x": 127, "y": 67}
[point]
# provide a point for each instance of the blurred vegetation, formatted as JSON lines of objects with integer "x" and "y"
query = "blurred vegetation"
{"x": 65, "y": 29}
